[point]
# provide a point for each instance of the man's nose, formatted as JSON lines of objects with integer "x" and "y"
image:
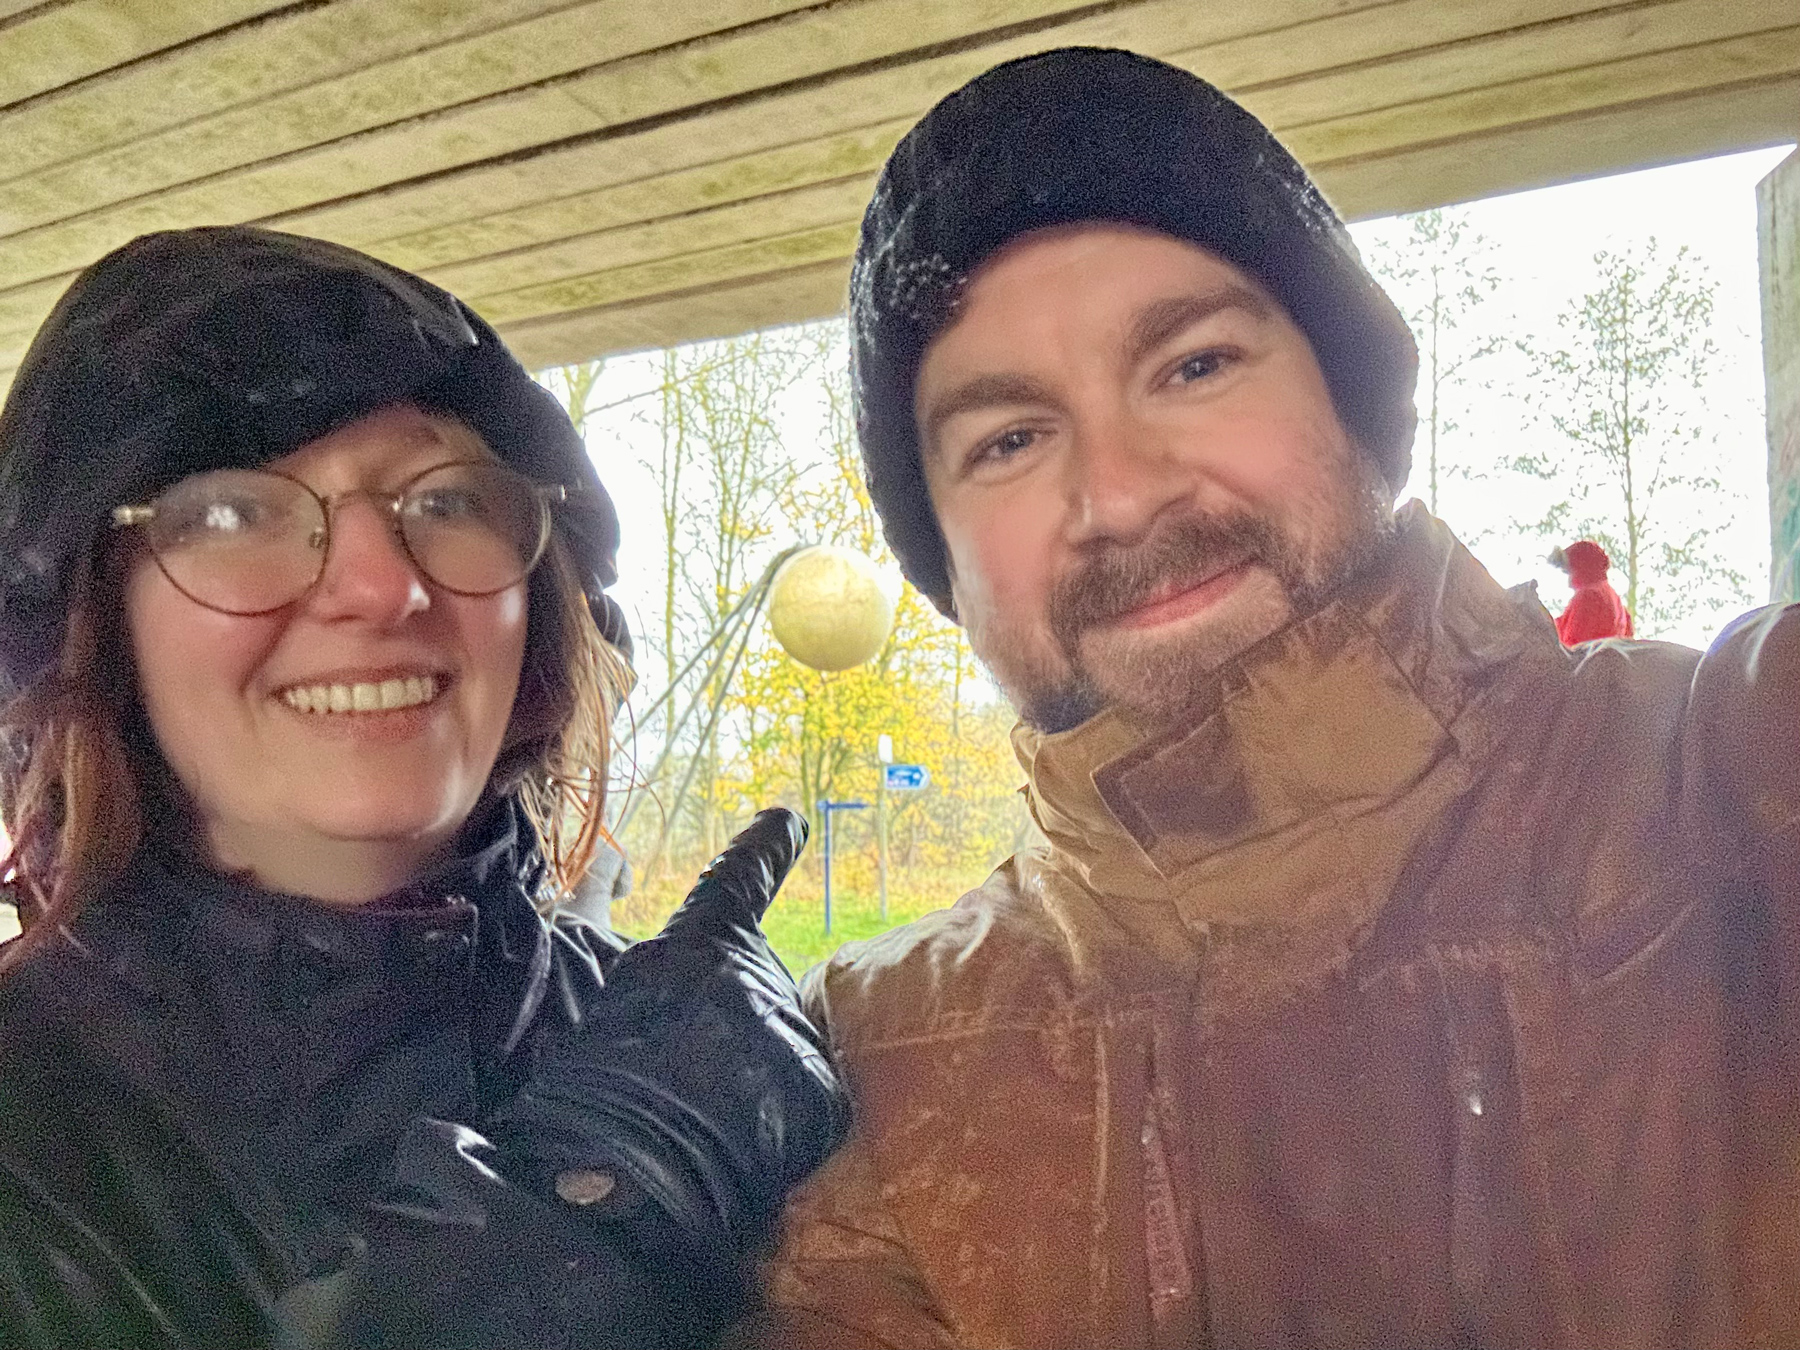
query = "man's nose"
{"x": 1122, "y": 476}
{"x": 368, "y": 574}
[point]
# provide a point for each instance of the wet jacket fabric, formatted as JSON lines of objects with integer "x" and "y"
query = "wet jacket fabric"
{"x": 1427, "y": 985}
{"x": 1595, "y": 610}
{"x": 229, "y": 1118}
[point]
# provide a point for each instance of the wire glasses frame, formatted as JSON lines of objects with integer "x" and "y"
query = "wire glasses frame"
{"x": 252, "y": 541}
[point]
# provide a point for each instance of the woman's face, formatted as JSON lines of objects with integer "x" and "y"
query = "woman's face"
{"x": 340, "y": 805}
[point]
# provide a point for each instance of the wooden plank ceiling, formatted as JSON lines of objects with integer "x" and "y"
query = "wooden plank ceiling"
{"x": 601, "y": 175}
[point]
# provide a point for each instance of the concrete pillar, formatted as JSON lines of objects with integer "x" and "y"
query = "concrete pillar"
{"x": 1778, "y": 244}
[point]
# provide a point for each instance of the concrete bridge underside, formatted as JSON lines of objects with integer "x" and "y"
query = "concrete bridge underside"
{"x": 602, "y": 175}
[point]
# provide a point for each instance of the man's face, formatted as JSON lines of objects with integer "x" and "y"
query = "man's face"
{"x": 1137, "y": 469}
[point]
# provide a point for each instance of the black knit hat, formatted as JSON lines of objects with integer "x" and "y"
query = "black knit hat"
{"x": 231, "y": 346}
{"x": 1091, "y": 134}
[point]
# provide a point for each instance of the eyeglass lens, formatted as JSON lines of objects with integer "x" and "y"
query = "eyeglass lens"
{"x": 247, "y": 541}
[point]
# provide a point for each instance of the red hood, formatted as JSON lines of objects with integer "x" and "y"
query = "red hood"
{"x": 1587, "y": 562}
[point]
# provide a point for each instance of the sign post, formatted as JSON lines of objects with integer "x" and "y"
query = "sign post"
{"x": 894, "y": 778}
{"x": 884, "y": 751}
{"x": 827, "y": 809}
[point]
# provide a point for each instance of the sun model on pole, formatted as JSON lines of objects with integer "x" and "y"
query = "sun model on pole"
{"x": 830, "y": 608}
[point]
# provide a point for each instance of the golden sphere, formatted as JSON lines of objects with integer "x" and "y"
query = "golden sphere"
{"x": 830, "y": 607}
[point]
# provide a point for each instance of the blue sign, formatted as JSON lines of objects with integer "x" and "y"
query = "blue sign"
{"x": 906, "y": 777}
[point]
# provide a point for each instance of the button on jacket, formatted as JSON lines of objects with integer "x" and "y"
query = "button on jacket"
{"x": 1427, "y": 985}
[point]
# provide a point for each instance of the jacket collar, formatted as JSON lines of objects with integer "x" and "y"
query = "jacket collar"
{"x": 465, "y": 936}
{"x": 1321, "y": 723}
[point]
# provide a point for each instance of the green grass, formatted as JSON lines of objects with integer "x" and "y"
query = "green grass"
{"x": 795, "y": 923}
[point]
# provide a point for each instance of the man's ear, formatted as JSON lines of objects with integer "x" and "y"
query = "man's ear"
{"x": 955, "y": 614}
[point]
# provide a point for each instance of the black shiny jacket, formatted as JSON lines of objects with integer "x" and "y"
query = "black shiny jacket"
{"x": 230, "y": 1118}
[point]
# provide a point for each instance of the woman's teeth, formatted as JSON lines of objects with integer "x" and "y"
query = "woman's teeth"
{"x": 366, "y": 697}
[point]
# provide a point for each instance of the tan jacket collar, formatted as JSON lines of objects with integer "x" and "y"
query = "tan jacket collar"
{"x": 1337, "y": 713}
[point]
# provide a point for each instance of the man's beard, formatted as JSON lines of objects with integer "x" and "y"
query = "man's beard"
{"x": 1179, "y": 553}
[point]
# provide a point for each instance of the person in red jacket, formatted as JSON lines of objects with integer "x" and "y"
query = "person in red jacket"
{"x": 1595, "y": 610}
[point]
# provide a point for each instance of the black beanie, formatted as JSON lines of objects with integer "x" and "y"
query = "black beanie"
{"x": 1093, "y": 134}
{"x": 229, "y": 346}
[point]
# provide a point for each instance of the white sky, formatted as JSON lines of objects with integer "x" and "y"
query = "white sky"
{"x": 1544, "y": 246}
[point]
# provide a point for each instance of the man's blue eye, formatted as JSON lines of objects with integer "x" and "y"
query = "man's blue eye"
{"x": 1006, "y": 445}
{"x": 1201, "y": 365}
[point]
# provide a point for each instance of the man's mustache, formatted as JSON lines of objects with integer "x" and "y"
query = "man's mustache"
{"x": 1177, "y": 554}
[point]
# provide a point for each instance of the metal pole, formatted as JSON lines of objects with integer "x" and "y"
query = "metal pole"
{"x": 718, "y": 703}
{"x": 881, "y": 828}
{"x": 722, "y": 638}
{"x": 825, "y": 812}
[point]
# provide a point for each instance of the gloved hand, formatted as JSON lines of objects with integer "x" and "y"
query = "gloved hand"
{"x": 694, "y": 1093}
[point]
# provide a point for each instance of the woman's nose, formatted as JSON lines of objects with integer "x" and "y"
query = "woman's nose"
{"x": 368, "y": 574}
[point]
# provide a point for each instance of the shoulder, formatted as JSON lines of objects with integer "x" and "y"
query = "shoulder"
{"x": 1633, "y": 682}
{"x": 1756, "y": 655}
{"x": 995, "y": 955}
{"x": 1731, "y": 699}
{"x": 109, "y": 965}
{"x": 1593, "y": 751}
{"x": 1746, "y": 717}
{"x": 585, "y": 940}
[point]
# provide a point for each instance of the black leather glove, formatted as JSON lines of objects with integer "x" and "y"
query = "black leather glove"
{"x": 694, "y": 1093}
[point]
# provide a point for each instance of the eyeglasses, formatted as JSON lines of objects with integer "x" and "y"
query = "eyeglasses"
{"x": 250, "y": 541}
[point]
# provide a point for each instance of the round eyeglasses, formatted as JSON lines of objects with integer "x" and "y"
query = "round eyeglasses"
{"x": 250, "y": 541}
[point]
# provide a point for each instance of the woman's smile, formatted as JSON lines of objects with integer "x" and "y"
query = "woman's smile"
{"x": 374, "y": 695}
{"x": 378, "y": 708}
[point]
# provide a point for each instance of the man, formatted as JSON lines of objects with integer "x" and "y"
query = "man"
{"x": 1341, "y": 1008}
{"x": 1595, "y": 610}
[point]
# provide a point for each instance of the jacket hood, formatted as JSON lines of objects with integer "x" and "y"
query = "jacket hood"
{"x": 1586, "y": 561}
{"x": 231, "y": 346}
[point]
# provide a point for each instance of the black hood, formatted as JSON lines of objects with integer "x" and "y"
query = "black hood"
{"x": 230, "y": 346}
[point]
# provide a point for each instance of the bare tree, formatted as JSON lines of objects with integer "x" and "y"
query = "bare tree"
{"x": 1438, "y": 272}
{"x": 1639, "y": 465}
{"x": 575, "y": 385}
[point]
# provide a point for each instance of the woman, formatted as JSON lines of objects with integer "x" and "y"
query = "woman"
{"x": 308, "y": 668}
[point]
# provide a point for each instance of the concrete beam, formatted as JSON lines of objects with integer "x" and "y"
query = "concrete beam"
{"x": 622, "y": 173}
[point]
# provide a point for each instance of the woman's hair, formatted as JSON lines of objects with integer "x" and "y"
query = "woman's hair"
{"x": 81, "y": 776}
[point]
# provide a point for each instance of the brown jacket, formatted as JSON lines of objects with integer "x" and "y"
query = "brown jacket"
{"x": 1427, "y": 986}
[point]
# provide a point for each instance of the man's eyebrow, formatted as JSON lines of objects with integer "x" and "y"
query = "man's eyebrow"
{"x": 1161, "y": 320}
{"x": 984, "y": 391}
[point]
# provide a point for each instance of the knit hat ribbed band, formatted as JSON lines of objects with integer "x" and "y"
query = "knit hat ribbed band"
{"x": 1090, "y": 134}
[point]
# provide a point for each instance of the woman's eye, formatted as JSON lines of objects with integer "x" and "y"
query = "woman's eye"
{"x": 222, "y": 515}
{"x": 445, "y": 504}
